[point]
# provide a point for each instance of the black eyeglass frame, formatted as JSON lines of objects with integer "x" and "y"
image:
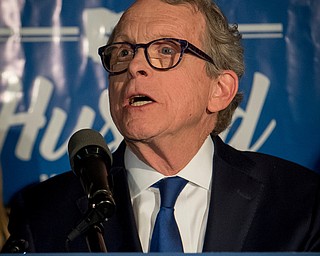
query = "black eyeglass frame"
{"x": 186, "y": 47}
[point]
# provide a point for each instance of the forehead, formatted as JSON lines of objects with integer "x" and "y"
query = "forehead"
{"x": 147, "y": 20}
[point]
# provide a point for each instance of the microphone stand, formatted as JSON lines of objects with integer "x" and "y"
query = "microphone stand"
{"x": 91, "y": 226}
{"x": 95, "y": 239}
{"x": 104, "y": 208}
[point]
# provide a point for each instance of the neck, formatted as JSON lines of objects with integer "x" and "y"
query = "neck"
{"x": 168, "y": 156}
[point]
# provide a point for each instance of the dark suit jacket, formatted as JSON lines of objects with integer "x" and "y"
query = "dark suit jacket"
{"x": 258, "y": 203}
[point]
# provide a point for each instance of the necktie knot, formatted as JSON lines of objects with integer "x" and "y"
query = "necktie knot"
{"x": 170, "y": 188}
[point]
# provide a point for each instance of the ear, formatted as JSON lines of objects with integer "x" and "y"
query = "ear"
{"x": 223, "y": 90}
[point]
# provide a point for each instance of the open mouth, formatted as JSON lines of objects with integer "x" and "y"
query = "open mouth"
{"x": 139, "y": 100}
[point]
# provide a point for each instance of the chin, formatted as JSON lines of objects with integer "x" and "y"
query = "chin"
{"x": 139, "y": 136}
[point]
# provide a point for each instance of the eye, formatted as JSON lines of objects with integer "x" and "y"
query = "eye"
{"x": 123, "y": 53}
{"x": 167, "y": 50}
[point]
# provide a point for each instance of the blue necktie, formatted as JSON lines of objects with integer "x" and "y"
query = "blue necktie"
{"x": 166, "y": 236}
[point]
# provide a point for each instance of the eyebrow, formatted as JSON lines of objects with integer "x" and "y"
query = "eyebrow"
{"x": 120, "y": 38}
{"x": 124, "y": 38}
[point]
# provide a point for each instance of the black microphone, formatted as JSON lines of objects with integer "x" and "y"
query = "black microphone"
{"x": 90, "y": 159}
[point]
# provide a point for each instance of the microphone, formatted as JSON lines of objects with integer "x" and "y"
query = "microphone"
{"x": 90, "y": 160}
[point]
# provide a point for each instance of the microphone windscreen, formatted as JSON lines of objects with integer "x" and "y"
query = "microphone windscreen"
{"x": 85, "y": 138}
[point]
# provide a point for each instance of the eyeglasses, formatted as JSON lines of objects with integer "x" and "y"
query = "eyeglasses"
{"x": 161, "y": 54}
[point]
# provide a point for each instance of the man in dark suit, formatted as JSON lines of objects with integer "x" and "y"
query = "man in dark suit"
{"x": 173, "y": 70}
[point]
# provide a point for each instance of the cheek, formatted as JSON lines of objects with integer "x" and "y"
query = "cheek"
{"x": 191, "y": 88}
{"x": 114, "y": 100}
{"x": 115, "y": 91}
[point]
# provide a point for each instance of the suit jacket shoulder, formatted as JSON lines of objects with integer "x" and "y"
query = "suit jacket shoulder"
{"x": 44, "y": 213}
{"x": 255, "y": 194}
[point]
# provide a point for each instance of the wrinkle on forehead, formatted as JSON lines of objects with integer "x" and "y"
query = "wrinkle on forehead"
{"x": 160, "y": 19}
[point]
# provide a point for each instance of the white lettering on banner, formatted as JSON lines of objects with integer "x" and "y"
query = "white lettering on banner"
{"x": 54, "y": 130}
{"x": 85, "y": 120}
{"x": 99, "y": 23}
{"x": 242, "y": 138}
{"x": 8, "y": 100}
{"x": 34, "y": 119}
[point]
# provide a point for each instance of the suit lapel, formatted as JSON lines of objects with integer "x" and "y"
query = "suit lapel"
{"x": 234, "y": 200}
{"x": 121, "y": 234}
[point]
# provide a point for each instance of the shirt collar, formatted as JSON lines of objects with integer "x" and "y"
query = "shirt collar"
{"x": 198, "y": 170}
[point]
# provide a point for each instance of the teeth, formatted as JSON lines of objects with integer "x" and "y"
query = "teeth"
{"x": 139, "y": 100}
{"x": 140, "y": 103}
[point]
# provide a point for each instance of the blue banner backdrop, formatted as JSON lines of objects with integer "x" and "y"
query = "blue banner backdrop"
{"x": 52, "y": 82}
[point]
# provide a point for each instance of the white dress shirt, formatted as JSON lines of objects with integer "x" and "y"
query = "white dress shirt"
{"x": 192, "y": 205}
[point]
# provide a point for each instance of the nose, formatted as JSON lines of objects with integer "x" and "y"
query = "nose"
{"x": 139, "y": 65}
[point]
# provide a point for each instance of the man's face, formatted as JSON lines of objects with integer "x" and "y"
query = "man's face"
{"x": 176, "y": 100}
